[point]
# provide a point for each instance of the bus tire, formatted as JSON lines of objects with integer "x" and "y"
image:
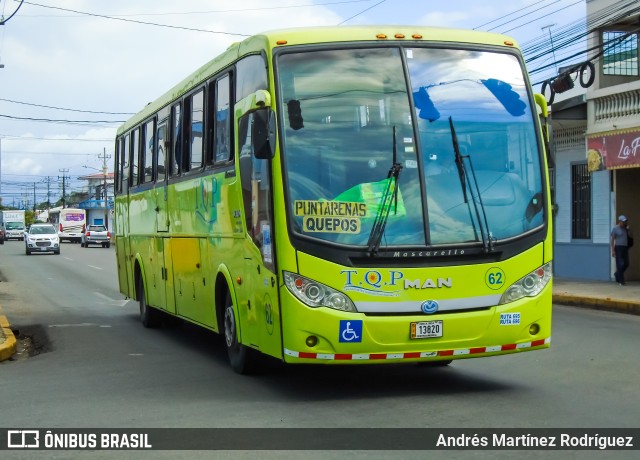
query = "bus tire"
{"x": 149, "y": 316}
{"x": 241, "y": 358}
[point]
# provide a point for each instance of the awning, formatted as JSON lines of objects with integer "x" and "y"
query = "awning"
{"x": 614, "y": 149}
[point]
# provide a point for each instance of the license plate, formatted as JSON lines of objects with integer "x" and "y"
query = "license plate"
{"x": 43, "y": 249}
{"x": 426, "y": 329}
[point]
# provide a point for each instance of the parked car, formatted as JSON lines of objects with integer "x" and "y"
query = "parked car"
{"x": 41, "y": 238}
{"x": 95, "y": 234}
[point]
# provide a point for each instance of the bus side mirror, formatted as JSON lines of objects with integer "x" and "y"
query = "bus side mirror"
{"x": 545, "y": 123}
{"x": 263, "y": 134}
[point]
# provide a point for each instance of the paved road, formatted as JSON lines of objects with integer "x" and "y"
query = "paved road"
{"x": 101, "y": 368}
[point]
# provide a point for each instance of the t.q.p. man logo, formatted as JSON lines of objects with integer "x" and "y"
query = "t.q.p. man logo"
{"x": 373, "y": 282}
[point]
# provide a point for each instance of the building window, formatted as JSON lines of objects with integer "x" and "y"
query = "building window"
{"x": 620, "y": 53}
{"x": 580, "y": 202}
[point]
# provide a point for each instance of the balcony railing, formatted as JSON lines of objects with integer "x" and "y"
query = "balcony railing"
{"x": 95, "y": 204}
{"x": 613, "y": 109}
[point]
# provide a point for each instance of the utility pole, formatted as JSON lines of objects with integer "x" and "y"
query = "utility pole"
{"x": 34, "y": 198}
{"x": 48, "y": 193}
{"x": 553, "y": 51}
{"x": 0, "y": 171}
{"x": 64, "y": 193}
{"x": 104, "y": 187}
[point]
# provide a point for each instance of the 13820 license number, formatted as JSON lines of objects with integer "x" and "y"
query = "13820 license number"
{"x": 426, "y": 329}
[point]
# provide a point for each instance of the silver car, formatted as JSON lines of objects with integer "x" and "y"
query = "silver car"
{"x": 41, "y": 238}
{"x": 95, "y": 234}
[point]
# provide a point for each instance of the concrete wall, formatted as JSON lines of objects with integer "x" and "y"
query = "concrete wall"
{"x": 582, "y": 261}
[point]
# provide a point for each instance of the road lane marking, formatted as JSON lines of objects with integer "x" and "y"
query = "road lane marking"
{"x": 77, "y": 325}
{"x": 117, "y": 302}
{"x": 93, "y": 266}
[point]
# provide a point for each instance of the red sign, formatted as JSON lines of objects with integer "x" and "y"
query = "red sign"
{"x": 614, "y": 151}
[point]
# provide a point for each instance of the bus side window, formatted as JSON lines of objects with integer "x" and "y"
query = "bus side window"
{"x": 126, "y": 161}
{"x": 135, "y": 157}
{"x": 176, "y": 140}
{"x": 251, "y": 75}
{"x": 196, "y": 128}
{"x": 146, "y": 166}
{"x": 222, "y": 121}
{"x": 162, "y": 150}
{"x": 117, "y": 170}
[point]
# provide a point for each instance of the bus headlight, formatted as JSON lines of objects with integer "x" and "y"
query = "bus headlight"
{"x": 529, "y": 286}
{"x": 316, "y": 294}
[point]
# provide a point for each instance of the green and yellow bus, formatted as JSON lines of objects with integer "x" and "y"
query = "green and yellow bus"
{"x": 344, "y": 195}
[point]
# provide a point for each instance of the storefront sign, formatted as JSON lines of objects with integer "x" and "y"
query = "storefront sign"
{"x": 620, "y": 149}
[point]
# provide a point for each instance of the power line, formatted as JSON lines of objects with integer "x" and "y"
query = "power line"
{"x": 514, "y": 12}
{"x": 67, "y": 109}
{"x": 103, "y": 16}
{"x": 4, "y": 21}
{"x": 10, "y": 152}
{"x": 572, "y": 38}
{"x": 544, "y": 16}
{"x": 241, "y": 10}
{"x": 51, "y": 120}
{"x": 361, "y": 12}
{"x": 28, "y": 138}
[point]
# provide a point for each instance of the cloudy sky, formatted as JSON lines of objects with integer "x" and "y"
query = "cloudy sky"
{"x": 75, "y": 69}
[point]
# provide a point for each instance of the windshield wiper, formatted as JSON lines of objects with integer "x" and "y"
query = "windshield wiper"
{"x": 389, "y": 196}
{"x": 485, "y": 233}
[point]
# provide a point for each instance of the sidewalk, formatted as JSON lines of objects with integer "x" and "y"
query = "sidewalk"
{"x": 600, "y": 295}
{"x": 7, "y": 339}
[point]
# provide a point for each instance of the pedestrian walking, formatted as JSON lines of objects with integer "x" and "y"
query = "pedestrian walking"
{"x": 620, "y": 247}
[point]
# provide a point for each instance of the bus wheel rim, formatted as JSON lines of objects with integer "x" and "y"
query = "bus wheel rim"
{"x": 229, "y": 326}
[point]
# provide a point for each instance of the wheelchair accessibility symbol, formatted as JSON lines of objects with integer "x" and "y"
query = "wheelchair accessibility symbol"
{"x": 350, "y": 331}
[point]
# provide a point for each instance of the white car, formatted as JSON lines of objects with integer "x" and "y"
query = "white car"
{"x": 41, "y": 238}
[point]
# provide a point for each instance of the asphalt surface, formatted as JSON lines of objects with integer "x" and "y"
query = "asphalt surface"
{"x": 600, "y": 295}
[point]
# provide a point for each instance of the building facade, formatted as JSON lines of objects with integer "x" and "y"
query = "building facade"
{"x": 99, "y": 206}
{"x": 597, "y": 148}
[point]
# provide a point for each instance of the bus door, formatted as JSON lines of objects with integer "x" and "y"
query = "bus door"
{"x": 263, "y": 313}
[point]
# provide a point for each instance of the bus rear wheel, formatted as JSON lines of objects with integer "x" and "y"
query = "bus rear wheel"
{"x": 149, "y": 316}
{"x": 243, "y": 360}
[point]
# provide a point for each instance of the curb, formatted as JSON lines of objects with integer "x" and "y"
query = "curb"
{"x": 598, "y": 303}
{"x": 7, "y": 339}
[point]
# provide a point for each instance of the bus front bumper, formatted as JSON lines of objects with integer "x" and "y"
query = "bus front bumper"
{"x": 325, "y": 336}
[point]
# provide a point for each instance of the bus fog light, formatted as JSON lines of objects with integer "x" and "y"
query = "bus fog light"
{"x": 534, "y": 329}
{"x": 311, "y": 341}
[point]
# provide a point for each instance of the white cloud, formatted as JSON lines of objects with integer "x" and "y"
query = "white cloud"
{"x": 59, "y": 58}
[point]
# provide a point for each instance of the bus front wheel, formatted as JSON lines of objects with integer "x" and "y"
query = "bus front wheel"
{"x": 149, "y": 316}
{"x": 242, "y": 359}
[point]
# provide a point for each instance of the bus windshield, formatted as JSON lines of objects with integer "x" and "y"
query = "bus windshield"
{"x": 343, "y": 108}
